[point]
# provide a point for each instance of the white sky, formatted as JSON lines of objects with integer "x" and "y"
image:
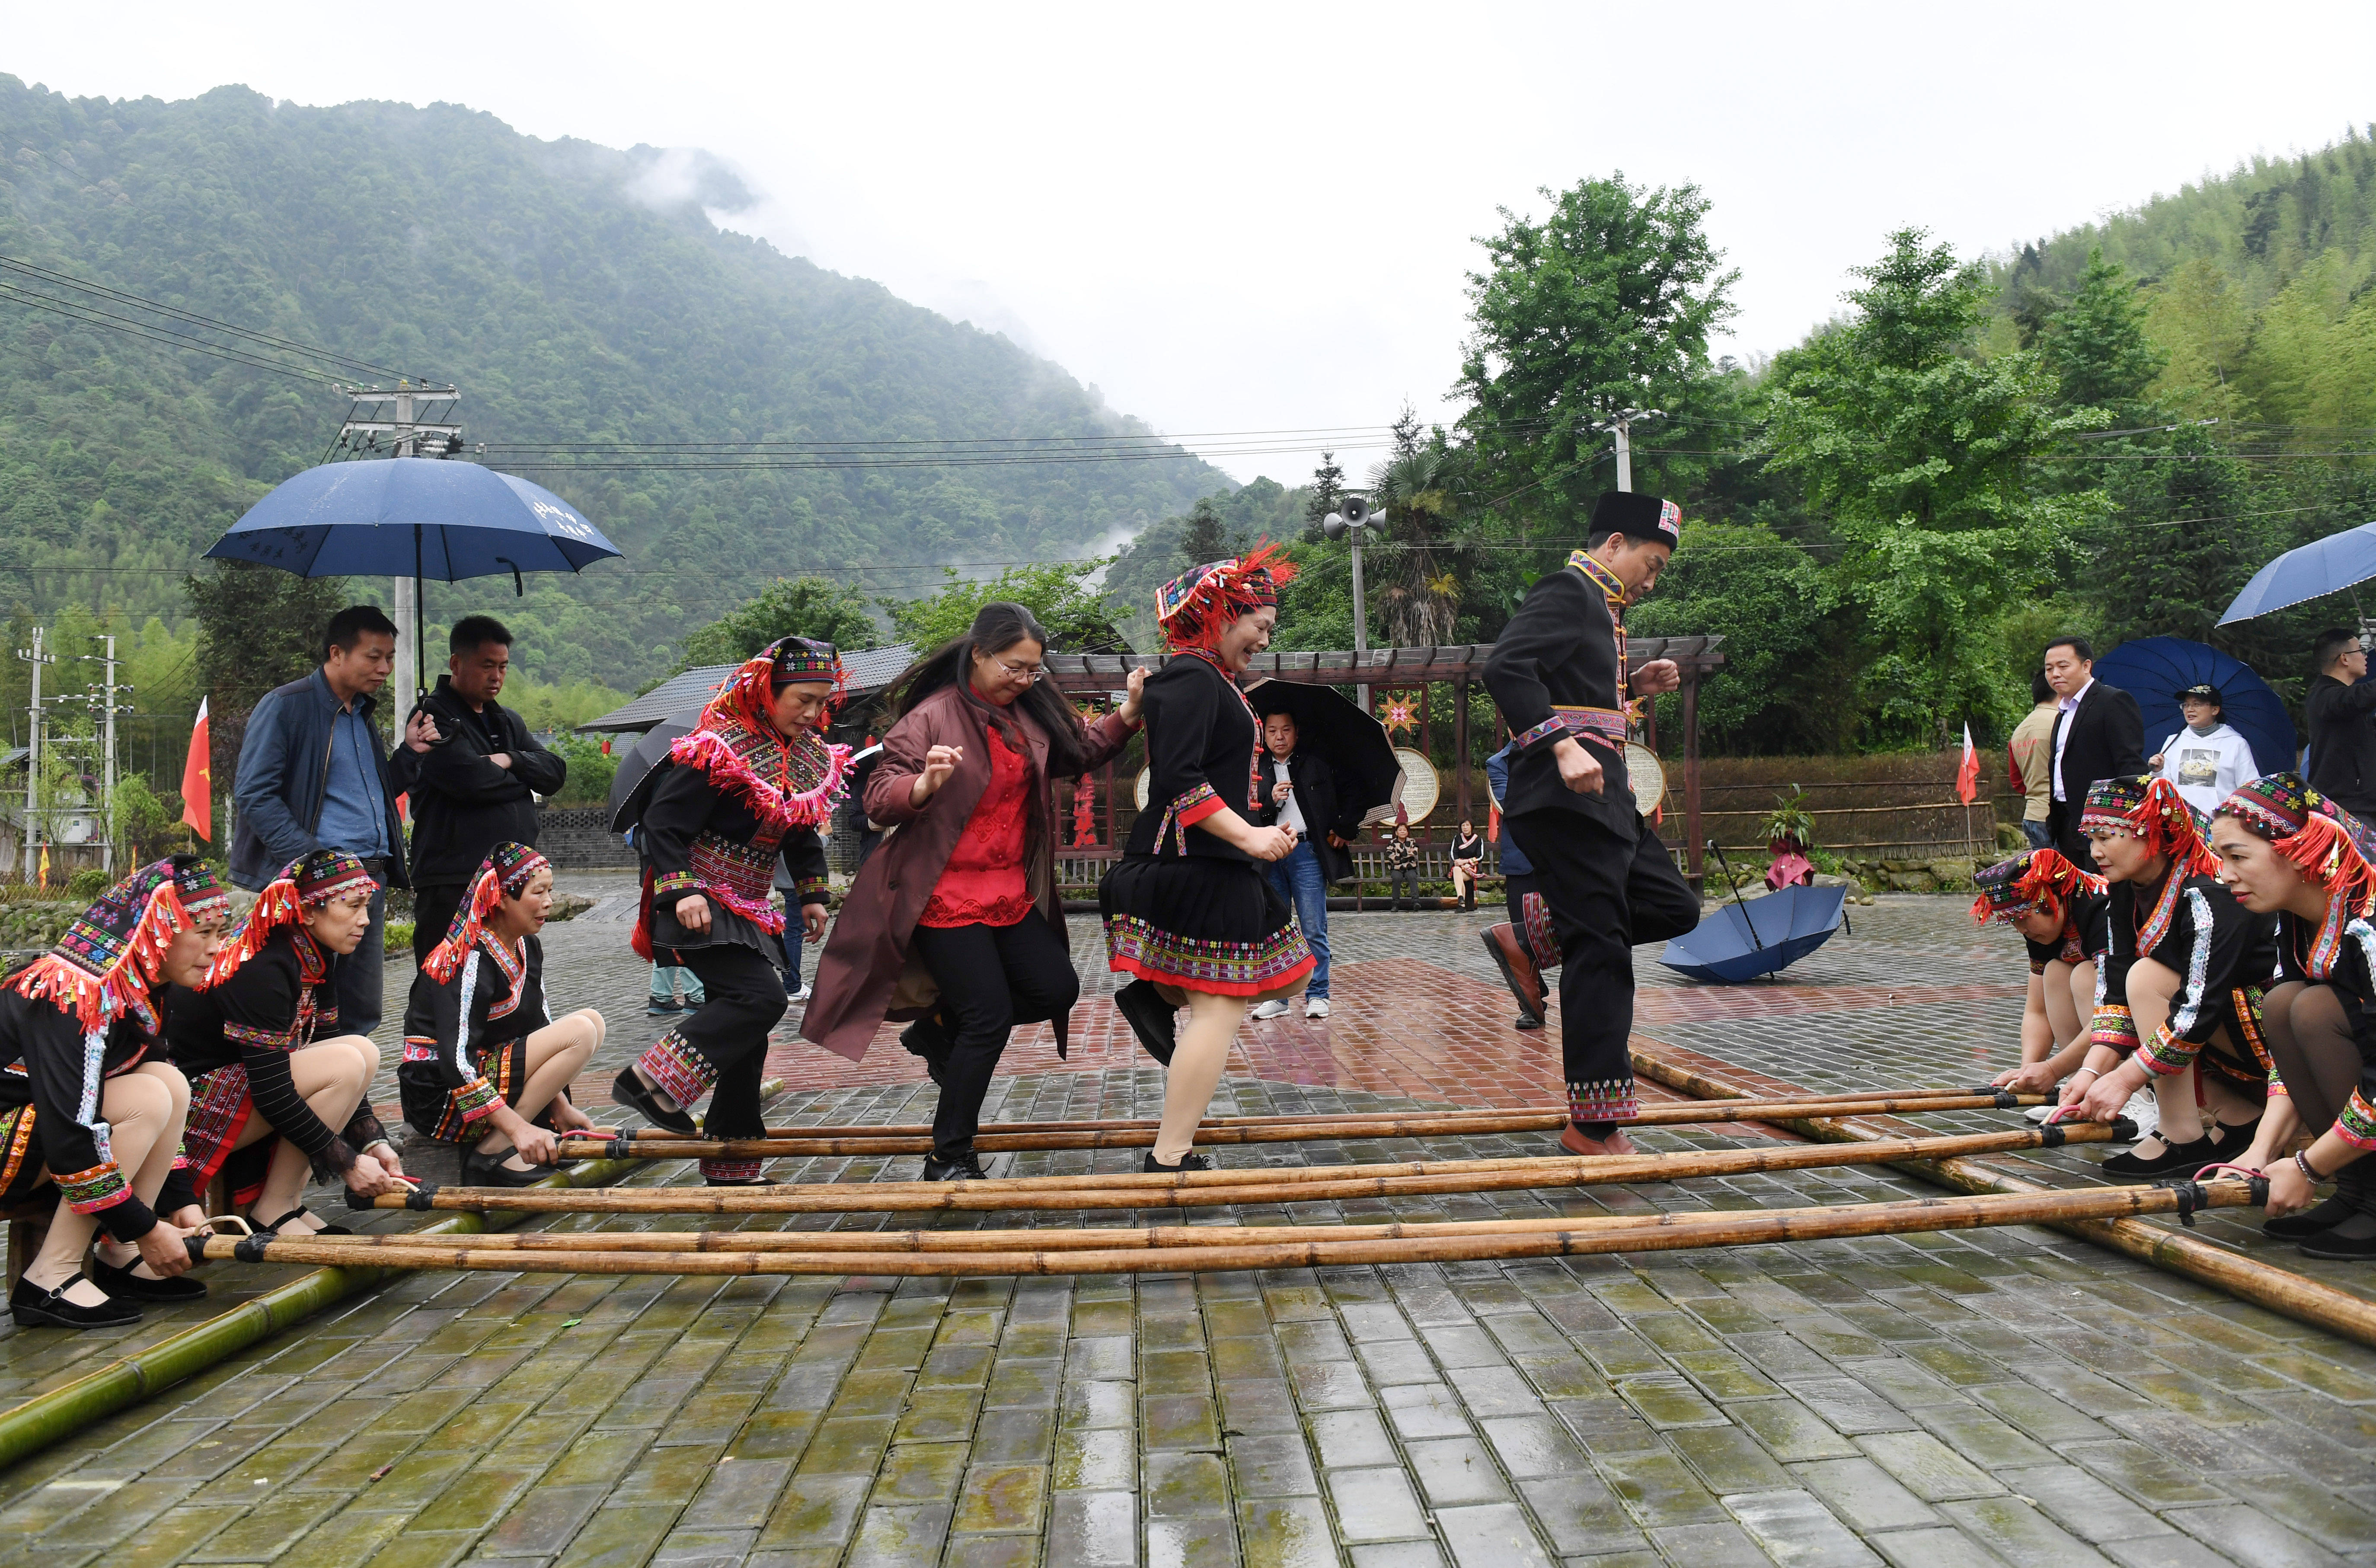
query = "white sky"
{"x": 1256, "y": 218}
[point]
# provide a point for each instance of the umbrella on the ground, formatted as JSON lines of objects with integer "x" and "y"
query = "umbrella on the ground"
{"x": 425, "y": 518}
{"x": 1741, "y": 941}
{"x": 2331, "y": 564}
{"x": 637, "y": 764}
{"x": 1332, "y": 724}
{"x": 2155, "y": 670}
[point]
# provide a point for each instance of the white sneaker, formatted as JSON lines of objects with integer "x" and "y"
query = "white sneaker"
{"x": 1316, "y": 1007}
{"x": 1270, "y": 1010}
{"x": 2145, "y": 1111}
{"x": 799, "y": 995}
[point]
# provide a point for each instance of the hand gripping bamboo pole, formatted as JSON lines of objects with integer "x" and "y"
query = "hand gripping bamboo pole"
{"x": 1508, "y": 1240}
{"x": 1220, "y": 1188}
{"x": 652, "y": 1144}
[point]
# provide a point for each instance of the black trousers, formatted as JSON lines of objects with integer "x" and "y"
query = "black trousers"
{"x": 433, "y": 912}
{"x": 1606, "y": 894}
{"x": 358, "y": 979}
{"x": 992, "y": 978}
{"x": 1516, "y": 885}
{"x": 1403, "y": 882}
{"x": 744, "y": 998}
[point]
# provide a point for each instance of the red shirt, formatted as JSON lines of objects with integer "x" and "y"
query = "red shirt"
{"x": 983, "y": 883}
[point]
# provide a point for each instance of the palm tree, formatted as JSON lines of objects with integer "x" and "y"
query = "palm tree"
{"x": 1421, "y": 599}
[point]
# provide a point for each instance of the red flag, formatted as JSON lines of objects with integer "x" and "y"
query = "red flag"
{"x": 1967, "y": 774}
{"x": 198, "y": 781}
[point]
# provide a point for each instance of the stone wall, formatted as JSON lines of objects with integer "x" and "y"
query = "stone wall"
{"x": 579, "y": 838}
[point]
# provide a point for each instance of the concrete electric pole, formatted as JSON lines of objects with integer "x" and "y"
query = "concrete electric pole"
{"x": 1354, "y": 518}
{"x": 1622, "y": 423}
{"x": 35, "y": 656}
{"x": 393, "y": 423}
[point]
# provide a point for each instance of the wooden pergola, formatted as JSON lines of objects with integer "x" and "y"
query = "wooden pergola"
{"x": 1459, "y": 665}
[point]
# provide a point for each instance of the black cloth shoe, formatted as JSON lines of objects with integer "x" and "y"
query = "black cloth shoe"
{"x": 929, "y": 1039}
{"x": 1187, "y": 1162}
{"x": 2231, "y": 1141}
{"x": 2343, "y": 1248}
{"x": 965, "y": 1167}
{"x": 2175, "y": 1160}
{"x": 273, "y": 1226}
{"x": 1150, "y": 1018}
{"x": 628, "y": 1090}
{"x": 754, "y": 1182}
{"x": 122, "y": 1282}
{"x": 33, "y": 1307}
{"x": 2310, "y": 1221}
{"x": 489, "y": 1171}
{"x": 1525, "y": 1021}
{"x": 660, "y": 1007}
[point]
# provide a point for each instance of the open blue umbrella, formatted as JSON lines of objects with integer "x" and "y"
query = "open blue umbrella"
{"x": 2331, "y": 564}
{"x": 419, "y": 517}
{"x": 2155, "y": 670}
{"x": 1742, "y": 941}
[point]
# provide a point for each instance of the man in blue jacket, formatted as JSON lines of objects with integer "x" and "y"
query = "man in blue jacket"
{"x": 311, "y": 776}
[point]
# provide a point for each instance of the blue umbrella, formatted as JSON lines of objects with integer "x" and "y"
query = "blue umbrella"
{"x": 1742, "y": 941}
{"x": 2155, "y": 670}
{"x": 2331, "y": 564}
{"x": 418, "y": 517}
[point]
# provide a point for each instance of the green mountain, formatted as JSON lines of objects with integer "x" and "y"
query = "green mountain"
{"x": 574, "y": 294}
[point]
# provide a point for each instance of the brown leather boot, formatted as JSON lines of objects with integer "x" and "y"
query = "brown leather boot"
{"x": 1518, "y": 971}
{"x": 1575, "y": 1141}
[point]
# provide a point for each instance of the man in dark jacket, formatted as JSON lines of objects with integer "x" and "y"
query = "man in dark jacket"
{"x": 2341, "y": 708}
{"x": 311, "y": 777}
{"x": 1300, "y": 792}
{"x": 1557, "y": 674}
{"x": 2098, "y": 733}
{"x": 475, "y": 786}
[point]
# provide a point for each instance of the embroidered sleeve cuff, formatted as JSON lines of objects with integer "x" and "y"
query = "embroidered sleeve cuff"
{"x": 101, "y": 1187}
{"x": 1550, "y": 729}
{"x": 2114, "y": 1027}
{"x": 2356, "y": 1125}
{"x": 475, "y": 1100}
{"x": 2168, "y": 1054}
{"x": 675, "y": 885}
{"x": 813, "y": 890}
{"x": 1196, "y": 805}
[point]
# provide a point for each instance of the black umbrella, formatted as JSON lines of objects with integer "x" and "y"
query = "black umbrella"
{"x": 650, "y": 751}
{"x": 1332, "y": 724}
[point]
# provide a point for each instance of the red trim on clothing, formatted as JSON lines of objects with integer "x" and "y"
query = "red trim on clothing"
{"x": 1213, "y": 986}
{"x": 1201, "y": 810}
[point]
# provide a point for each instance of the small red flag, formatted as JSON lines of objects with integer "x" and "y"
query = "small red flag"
{"x": 1967, "y": 774}
{"x": 198, "y": 781}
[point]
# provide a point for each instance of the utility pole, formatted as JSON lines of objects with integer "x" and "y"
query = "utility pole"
{"x": 390, "y": 423}
{"x": 35, "y": 656}
{"x": 1354, "y": 518}
{"x": 1622, "y": 422}
{"x": 108, "y": 708}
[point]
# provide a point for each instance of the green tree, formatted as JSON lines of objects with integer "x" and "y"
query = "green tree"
{"x": 259, "y": 627}
{"x": 1786, "y": 663}
{"x": 1206, "y": 535}
{"x": 1419, "y": 597}
{"x": 804, "y": 606}
{"x": 1920, "y": 456}
{"x": 2096, "y": 345}
{"x": 1078, "y": 617}
{"x": 1327, "y": 488}
{"x": 1604, "y": 305}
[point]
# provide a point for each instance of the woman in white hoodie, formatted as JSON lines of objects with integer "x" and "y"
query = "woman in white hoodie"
{"x": 2207, "y": 760}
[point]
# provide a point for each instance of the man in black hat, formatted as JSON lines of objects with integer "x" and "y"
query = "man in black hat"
{"x": 1605, "y": 882}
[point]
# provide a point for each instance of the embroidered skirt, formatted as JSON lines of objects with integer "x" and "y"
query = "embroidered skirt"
{"x": 430, "y": 1107}
{"x": 1201, "y": 924}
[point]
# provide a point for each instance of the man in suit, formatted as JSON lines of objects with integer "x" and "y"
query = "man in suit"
{"x": 2339, "y": 706}
{"x": 1557, "y": 674}
{"x": 2098, "y": 733}
{"x": 1300, "y": 792}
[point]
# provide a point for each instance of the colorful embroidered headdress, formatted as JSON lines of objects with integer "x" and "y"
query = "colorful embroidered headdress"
{"x": 2336, "y": 850}
{"x": 748, "y": 695}
{"x": 2015, "y": 887}
{"x": 308, "y": 882}
{"x": 2152, "y": 808}
{"x": 109, "y": 959}
{"x": 1195, "y": 607}
{"x": 505, "y": 874}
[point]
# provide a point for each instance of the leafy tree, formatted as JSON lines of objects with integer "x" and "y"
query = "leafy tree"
{"x": 591, "y": 771}
{"x": 1327, "y": 490}
{"x": 1604, "y": 305}
{"x": 805, "y": 607}
{"x": 1418, "y": 595}
{"x": 1920, "y": 453}
{"x": 1078, "y": 617}
{"x": 1786, "y": 664}
{"x": 259, "y": 627}
{"x": 1206, "y": 535}
{"x": 2096, "y": 345}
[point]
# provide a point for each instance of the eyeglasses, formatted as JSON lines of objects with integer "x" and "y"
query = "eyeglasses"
{"x": 1034, "y": 673}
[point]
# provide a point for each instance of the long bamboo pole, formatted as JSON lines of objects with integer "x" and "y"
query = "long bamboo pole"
{"x": 2280, "y": 1290}
{"x": 1221, "y": 1188}
{"x": 1652, "y": 1115}
{"x": 1559, "y": 1238}
{"x": 647, "y": 1145}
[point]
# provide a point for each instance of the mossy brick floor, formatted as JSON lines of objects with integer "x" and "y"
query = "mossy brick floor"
{"x": 1993, "y": 1396}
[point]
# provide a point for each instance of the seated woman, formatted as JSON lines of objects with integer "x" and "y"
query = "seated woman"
{"x": 2288, "y": 851}
{"x": 484, "y": 1059}
{"x": 2058, "y": 909}
{"x": 104, "y": 1125}
{"x": 2177, "y": 994}
{"x": 270, "y": 1073}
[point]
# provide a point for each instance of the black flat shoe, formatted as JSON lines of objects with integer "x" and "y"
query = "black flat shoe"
{"x": 1150, "y": 1018}
{"x": 966, "y": 1166}
{"x": 122, "y": 1282}
{"x": 1525, "y": 1022}
{"x": 2310, "y": 1221}
{"x": 656, "y": 1008}
{"x": 927, "y": 1040}
{"x": 33, "y": 1307}
{"x": 2343, "y": 1248}
{"x": 273, "y": 1227}
{"x": 489, "y": 1171}
{"x": 2232, "y": 1140}
{"x": 1187, "y": 1162}
{"x": 720, "y": 1182}
{"x": 2175, "y": 1160}
{"x": 628, "y": 1090}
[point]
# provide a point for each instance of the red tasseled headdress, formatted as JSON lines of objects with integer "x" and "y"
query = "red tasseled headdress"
{"x": 1194, "y": 608}
{"x": 506, "y": 870}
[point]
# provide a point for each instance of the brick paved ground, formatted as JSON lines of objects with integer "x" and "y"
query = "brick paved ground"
{"x": 1992, "y": 1397}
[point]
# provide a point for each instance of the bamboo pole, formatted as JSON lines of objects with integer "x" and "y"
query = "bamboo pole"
{"x": 2265, "y": 1285}
{"x": 808, "y": 1142}
{"x": 1652, "y": 1115}
{"x": 1558, "y": 1238}
{"x": 1220, "y": 1188}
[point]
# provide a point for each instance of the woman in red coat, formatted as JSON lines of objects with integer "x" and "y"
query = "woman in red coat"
{"x": 955, "y": 921}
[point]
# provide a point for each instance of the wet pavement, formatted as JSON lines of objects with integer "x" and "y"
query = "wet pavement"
{"x": 2008, "y": 1396}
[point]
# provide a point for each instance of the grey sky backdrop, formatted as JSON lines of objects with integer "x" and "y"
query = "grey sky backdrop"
{"x": 1258, "y": 217}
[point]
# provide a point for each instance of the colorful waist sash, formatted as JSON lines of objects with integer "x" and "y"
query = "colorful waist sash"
{"x": 1604, "y": 723}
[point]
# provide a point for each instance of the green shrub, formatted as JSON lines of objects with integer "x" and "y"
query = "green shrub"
{"x": 88, "y": 884}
